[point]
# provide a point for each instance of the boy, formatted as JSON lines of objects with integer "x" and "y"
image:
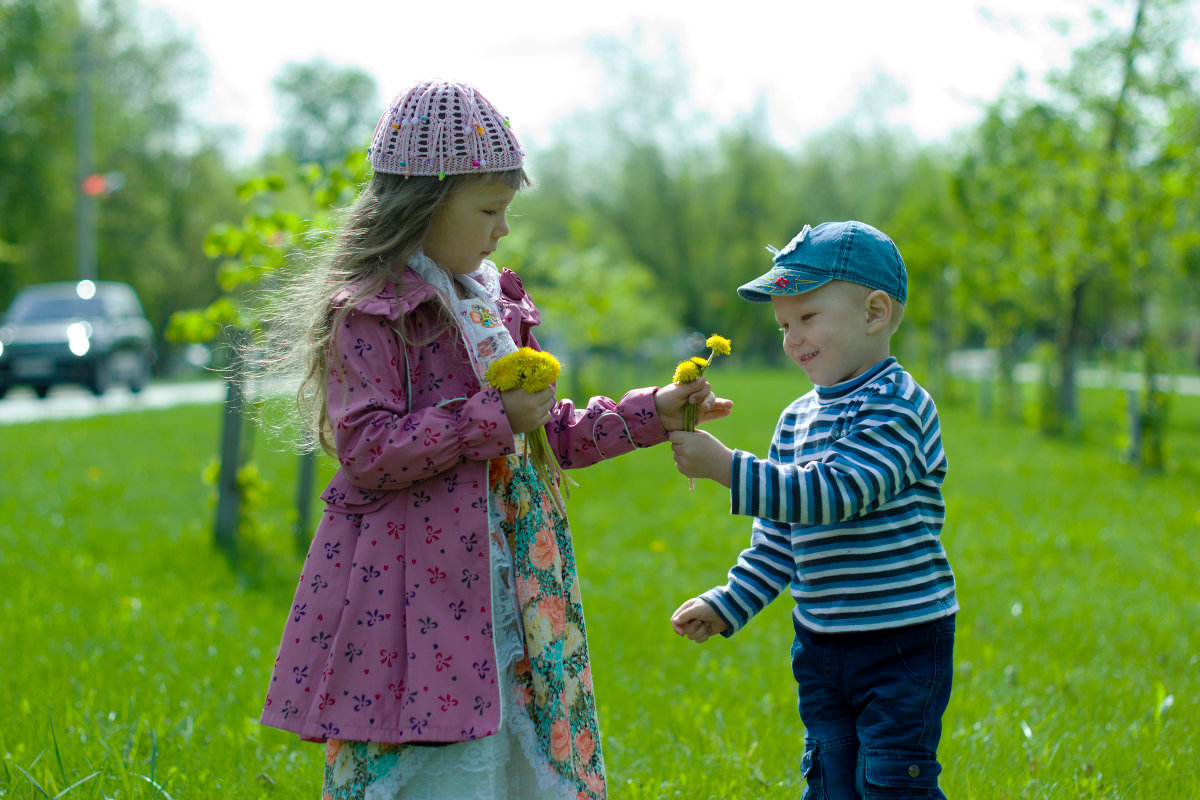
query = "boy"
{"x": 848, "y": 509}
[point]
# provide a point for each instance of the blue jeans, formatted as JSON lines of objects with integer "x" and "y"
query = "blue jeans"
{"x": 872, "y": 706}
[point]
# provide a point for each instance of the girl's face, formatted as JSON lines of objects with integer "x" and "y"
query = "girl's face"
{"x": 829, "y": 332}
{"x": 469, "y": 227}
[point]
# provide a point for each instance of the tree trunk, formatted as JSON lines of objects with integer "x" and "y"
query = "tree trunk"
{"x": 229, "y": 490}
{"x": 1068, "y": 336}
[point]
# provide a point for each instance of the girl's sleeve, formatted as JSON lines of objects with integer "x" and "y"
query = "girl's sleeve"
{"x": 604, "y": 428}
{"x": 380, "y": 444}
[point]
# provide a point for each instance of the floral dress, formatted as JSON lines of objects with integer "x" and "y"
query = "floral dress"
{"x": 548, "y": 745}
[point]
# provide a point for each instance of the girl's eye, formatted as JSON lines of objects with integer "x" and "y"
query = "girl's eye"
{"x": 807, "y": 317}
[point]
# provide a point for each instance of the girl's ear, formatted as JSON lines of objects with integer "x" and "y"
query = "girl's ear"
{"x": 878, "y": 307}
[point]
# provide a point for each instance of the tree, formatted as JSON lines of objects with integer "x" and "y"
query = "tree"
{"x": 1120, "y": 86}
{"x": 37, "y": 161}
{"x": 325, "y": 108}
{"x": 175, "y": 181}
{"x": 1018, "y": 191}
{"x": 289, "y": 218}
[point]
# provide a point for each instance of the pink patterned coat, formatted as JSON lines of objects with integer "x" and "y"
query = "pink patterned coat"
{"x": 389, "y": 637}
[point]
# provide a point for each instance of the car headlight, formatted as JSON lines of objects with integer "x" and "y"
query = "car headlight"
{"x": 79, "y": 338}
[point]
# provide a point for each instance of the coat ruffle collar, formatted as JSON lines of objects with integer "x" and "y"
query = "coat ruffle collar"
{"x": 395, "y": 299}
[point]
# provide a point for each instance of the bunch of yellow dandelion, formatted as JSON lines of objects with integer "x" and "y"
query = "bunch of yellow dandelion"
{"x": 693, "y": 369}
{"x": 533, "y": 371}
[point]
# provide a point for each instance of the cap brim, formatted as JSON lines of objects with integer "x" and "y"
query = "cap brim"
{"x": 775, "y": 284}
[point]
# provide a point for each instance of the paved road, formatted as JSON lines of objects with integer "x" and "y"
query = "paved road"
{"x": 980, "y": 364}
{"x": 69, "y": 402}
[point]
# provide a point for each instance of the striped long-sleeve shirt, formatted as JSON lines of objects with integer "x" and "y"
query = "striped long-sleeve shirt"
{"x": 848, "y": 509}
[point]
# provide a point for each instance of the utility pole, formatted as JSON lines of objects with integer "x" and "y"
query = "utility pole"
{"x": 85, "y": 156}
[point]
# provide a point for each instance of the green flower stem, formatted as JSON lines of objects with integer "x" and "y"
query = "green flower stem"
{"x": 546, "y": 466}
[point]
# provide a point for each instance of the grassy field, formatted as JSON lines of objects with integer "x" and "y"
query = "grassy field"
{"x": 135, "y": 656}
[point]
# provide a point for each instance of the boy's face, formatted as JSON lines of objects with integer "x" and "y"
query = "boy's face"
{"x": 828, "y": 332}
{"x": 469, "y": 227}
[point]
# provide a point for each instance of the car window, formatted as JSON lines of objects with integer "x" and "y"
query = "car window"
{"x": 124, "y": 304}
{"x": 28, "y": 309}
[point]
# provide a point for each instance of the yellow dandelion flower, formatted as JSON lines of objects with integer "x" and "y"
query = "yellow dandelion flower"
{"x": 718, "y": 344}
{"x": 502, "y": 374}
{"x": 691, "y": 370}
{"x": 525, "y": 369}
{"x": 533, "y": 371}
{"x": 687, "y": 371}
{"x": 543, "y": 371}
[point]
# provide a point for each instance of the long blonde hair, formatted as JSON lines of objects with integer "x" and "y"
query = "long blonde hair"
{"x": 380, "y": 231}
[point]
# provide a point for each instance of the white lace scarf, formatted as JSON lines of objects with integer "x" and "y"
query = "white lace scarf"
{"x": 477, "y": 315}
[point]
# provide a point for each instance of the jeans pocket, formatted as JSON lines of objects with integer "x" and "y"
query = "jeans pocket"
{"x": 919, "y": 654}
{"x": 899, "y": 775}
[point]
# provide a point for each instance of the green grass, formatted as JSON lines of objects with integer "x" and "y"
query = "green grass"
{"x": 135, "y": 655}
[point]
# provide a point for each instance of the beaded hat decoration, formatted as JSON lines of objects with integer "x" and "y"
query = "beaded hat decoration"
{"x": 443, "y": 128}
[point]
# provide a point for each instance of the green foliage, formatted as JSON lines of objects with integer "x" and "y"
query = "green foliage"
{"x": 589, "y": 299}
{"x": 253, "y": 493}
{"x": 137, "y": 651}
{"x": 290, "y": 218}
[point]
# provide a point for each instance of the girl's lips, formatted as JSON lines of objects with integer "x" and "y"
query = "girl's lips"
{"x": 804, "y": 359}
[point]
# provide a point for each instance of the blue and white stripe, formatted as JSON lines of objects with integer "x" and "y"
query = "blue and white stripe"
{"x": 848, "y": 510}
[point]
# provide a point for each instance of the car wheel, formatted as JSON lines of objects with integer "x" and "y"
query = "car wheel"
{"x": 100, "y": 378}
{"x": 140, "y": 378}
{"x": 41, "y": 390}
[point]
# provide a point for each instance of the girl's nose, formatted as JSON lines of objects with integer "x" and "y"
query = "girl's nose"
{"x": 501, "y": 230}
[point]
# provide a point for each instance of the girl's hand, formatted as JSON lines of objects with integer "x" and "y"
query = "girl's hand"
{"x": 697, "y": 620}
{"x": 699, "y": 454}
{"x": 528, "y": 411}
{"x": 669, "y": 402}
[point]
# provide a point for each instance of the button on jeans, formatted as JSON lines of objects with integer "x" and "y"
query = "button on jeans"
{"x": 872, "y": 706}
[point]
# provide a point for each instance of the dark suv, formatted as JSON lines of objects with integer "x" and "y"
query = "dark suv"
{"x": 86, "y": 332}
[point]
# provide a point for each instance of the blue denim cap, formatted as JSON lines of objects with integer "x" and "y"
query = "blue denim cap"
{"x": 844, "y": 251}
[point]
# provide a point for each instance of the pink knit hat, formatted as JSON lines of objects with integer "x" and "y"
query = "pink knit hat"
{"x": 443, "y": 128}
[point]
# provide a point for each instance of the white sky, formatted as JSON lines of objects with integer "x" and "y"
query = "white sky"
{"x": 807, "y": 59}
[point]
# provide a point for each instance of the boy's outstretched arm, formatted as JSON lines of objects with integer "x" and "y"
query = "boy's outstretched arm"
{"x": 697, "y": 620}
{"x": 699, "y": 454}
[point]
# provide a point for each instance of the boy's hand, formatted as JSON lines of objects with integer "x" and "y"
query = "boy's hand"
{"x": 697, "y": 620}
{"x": 669, "y": 402}
{"x": 699, "y": 454}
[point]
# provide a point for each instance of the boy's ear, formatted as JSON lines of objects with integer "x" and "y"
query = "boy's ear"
{"x": 878, "y": 305}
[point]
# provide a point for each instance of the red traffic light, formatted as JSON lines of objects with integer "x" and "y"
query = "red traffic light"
{"x": 94, "y": 185}
{"x": 98, "y": 185}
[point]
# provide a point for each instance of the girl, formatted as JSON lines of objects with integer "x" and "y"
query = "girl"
{"x": 438, "y": 603}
